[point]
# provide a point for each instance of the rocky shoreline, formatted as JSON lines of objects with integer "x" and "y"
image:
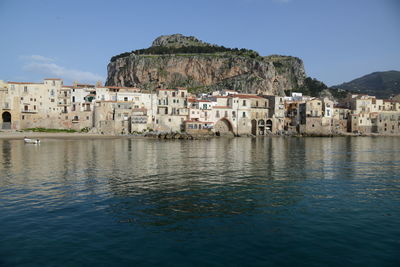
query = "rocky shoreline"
{"x": 18, "y": 135}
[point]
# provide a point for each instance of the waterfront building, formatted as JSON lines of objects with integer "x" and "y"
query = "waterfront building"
{"x": 172, "y": 109}
{"x": 125, "y": 110}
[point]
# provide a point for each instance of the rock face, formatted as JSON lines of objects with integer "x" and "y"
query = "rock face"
{"x": 206, "y": 72}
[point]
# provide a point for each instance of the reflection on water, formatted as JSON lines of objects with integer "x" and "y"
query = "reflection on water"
{"x": 253, "y": 197}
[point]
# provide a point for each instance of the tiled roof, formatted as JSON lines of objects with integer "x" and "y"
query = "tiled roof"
{"x": 222, "y": 107}
{"x": 23, "y": 83}
{"x": 246, "y": 96}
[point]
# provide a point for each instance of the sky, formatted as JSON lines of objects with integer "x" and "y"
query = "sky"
{"x": 338, "y": 40}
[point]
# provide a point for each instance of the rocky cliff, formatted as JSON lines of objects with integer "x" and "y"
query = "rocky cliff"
{"x": 191, "y": 63}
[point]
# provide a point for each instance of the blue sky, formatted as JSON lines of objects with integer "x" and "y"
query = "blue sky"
{"x": 338, "y": 40}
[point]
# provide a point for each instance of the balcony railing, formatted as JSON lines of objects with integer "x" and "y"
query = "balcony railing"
{"x": 29, "y": 111}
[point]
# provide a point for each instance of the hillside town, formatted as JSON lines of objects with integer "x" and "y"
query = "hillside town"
{"x": 128, "y": 110}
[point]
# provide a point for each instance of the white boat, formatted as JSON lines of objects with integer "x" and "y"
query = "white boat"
{"x": 31, "y": 141}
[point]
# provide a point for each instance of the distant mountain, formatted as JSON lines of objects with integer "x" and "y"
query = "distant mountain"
{"x": 381, "y": 84}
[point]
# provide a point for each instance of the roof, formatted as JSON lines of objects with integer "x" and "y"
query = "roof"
{"x": 23, "y": 83}
{"x": 222, "y": 107}
{"x": 389, "y": 100}
{"x": 56, "y": 79}
{"x": 120, "y": 87}
{"x": 247, "y": 96}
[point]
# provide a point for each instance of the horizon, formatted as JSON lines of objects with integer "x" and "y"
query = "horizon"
{"x": 338, "y": 41}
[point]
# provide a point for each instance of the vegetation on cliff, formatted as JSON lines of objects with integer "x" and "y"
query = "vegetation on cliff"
{"x": 209, "y": 49}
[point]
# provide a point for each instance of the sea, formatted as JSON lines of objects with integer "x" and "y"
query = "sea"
{"x": 271, "y": 201}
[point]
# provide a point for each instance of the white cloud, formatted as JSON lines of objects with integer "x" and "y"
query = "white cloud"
{"x": 37, "y": 58}
{"x": 46, "y": 67}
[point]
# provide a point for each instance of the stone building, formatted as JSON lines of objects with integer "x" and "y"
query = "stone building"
{"x": 276, "y": 114}
{"x": 172, "y": 109}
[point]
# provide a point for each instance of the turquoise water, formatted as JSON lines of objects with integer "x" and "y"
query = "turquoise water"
{"x": 232, "y": 202}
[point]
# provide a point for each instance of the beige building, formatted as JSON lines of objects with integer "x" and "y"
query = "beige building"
{"x": 172, "y": 110}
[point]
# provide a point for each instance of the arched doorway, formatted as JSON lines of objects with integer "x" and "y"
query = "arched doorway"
{"x": 223, "y": 126}
{"x": 6, "y": 116}
{"x": 261, "y": 127}
{"x": 253, "y": 127}
{"x": 269, "y": 125}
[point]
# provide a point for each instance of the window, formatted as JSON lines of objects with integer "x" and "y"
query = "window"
{"x": 73, "y": 99}
{"x": 244, "y": 114}
{"x": 226, "y": 113}
{"x": 52, "y": 100}
{"x": 26, "y": 108}
{"x": 173, "y": 94}
{"x": 23, "y": 117}
{"x": 54, "y": 83}
{"x": 182, "y": 94}
{"x": 52, "y": 92}
{"x": 217, "y": 115}
{"x": 125, "y": 98}
{"x": 234, "y": 114}
{"x": 244, "y": 102}
{"x": 25, "y": 89}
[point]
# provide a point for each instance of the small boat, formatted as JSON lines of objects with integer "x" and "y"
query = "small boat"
{"x": 31, "y": 141}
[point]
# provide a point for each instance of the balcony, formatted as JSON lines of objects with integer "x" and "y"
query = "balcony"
{"x": 6, "y": 106}
{"x": 29, "y": 111}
